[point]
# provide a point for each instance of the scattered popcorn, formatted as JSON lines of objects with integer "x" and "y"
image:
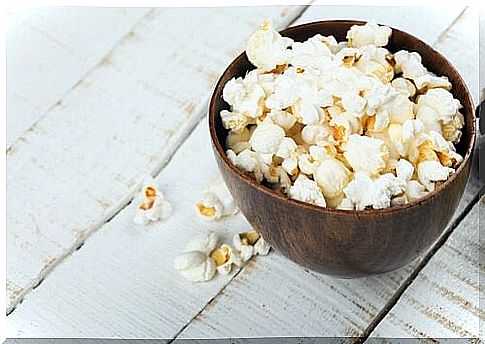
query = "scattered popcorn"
{"x": 216, "y": 202}
{"x": 347, "y": 125}
{"x": 152, "y": 206}
{"x": 202, "y": 258}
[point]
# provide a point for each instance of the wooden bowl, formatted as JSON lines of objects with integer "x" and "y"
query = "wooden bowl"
{"x": 338, "y": 242}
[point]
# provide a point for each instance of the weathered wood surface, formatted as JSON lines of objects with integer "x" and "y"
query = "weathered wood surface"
{"x": 121, "y": 282}
{"x": 443, "y": 301}
{"x": 49, "y": 49}
{"x": 83, "y": 160}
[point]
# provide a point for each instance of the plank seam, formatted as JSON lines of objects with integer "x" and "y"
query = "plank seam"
{"x": 449, "y": 27}
{"x": 115, "y": 210}
{"x": 414, "y": 274}
{"x": 78, "y": 82}
{"x": 214, "y": 298}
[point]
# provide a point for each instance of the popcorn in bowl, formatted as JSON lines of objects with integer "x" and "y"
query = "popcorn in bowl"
{"x": 347, "y": 125}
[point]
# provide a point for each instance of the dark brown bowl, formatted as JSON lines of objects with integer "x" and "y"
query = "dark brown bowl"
{"x": 338, "y": 242}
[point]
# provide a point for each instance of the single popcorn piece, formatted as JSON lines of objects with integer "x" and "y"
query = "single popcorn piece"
{"x": 249, "y": 244}
{"x": 332, "y": 176}
{"x": 370, "y": 33}
{"x": 307, "y": 190}
{"x": 365, "y": 192}
{"x": 432, "y": 171}
{"x": 266, "y": 49}
{"x": 348, "y": 125}
{"x": 267, "y": 138}
{"x": 376, "y": 61}
{"x": 366, "y": 154}
{"x": 195, "y": 264}
{"x": 216, "y": 202}
{"x": 439, "y": 111}
{"x": 413, "y": 188}
{"x": 404, "y": 86}
{"x": 225, "y": 257}
{"x": 313, "y": 53}
{"x": 152, "y": 206}
{"x": 409, "y": 64}
{"x": 244, "y": 96}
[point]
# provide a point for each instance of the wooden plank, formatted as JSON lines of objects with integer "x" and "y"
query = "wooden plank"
{"x": 83, "y": 161}
{"x": 121, "y": 283}
{"x": 443, "y": 301}
{"x": 49, "y": 49}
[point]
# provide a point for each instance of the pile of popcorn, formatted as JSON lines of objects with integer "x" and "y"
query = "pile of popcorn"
{"x": 347, "y": 125}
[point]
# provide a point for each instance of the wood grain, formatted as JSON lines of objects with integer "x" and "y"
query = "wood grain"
{"x": 49, "y": 49}
{"x": 82, "y": 162}
{"x": 121, "y": 283}
{"x": 443, "y": 301}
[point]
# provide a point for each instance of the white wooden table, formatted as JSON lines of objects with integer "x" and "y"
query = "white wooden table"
{"x": 100, "y": 97}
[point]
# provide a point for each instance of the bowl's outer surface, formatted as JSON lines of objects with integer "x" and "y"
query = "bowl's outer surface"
{"x": 347, "y": 243}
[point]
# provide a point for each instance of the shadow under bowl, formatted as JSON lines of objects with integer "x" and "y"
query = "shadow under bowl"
{"x": 338, "y": 242}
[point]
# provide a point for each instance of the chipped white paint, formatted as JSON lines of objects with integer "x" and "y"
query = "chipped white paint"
{"x": 443, "y": 301}
{"x": 83, "y": 160}
{"x": 49, "y": 49}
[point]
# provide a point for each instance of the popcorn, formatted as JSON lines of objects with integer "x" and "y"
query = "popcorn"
{"x": 347, "y": 125}
{"x": 238, "y": 141}
{"x": 432, "y": 171}
{"x": 196, "y": 264}
{"x": 439, "y": 111}
{"x": 404, "y": 86}
{"x": 411, "y": 67}
{"x": 377, "y": 62}
{"x": 370, "y": 33}
{"x": 307, "y": 190}
{"x": 365, "y": 192}
{"x": 152, "y": 206}
{"x": 267, "y": 137}
{"x": 266, "y": 49}
{"x": 284, "y": 119}
{"x": 244, "y": 96}
{"x": 413, "y": 189}
{"x": 313, "y": 53}
{"x": 365, "y": 154}
{"x": 225, "y": 257}
{"x": 332, "y": 176}
{"x": 216, "y": 202}
{"x": 249, "y": 244}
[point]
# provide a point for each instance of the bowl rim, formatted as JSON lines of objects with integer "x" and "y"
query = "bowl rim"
{"x": 220, "y": 151}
